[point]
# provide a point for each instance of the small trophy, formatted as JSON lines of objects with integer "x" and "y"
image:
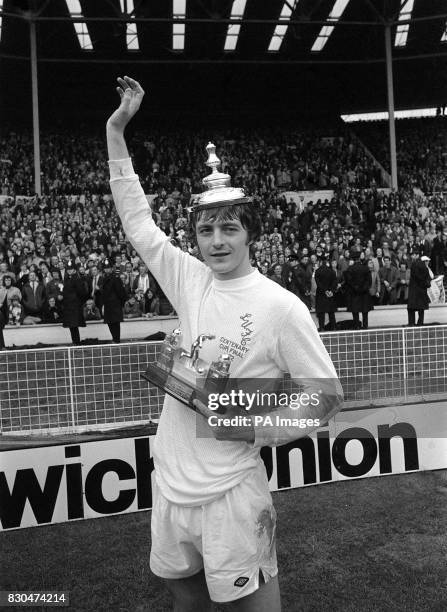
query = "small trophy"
{"x": 183, "y": 374}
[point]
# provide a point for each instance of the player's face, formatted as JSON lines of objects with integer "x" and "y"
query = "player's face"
{"x": 224, "y": 247}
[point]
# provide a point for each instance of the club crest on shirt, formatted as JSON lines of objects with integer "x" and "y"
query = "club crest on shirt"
{"x": 246, "y": 328}
{"x": 238, "y": 349}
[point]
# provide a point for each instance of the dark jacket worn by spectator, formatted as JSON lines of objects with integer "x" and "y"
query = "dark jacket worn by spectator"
{"x": 51, "y": 313}
{"x": 420, "y": 281}
{"x": 418, "y": 300}
{"x": 3, "y": 320}
{"x": 133, "y": 308}
{"x": 33, "y": 298}
{"x": 75, "y": 294}
{"x": 95, "y": 284}
{"x": 54, "y": 288}
{"x": 113, "y": 298}
{"x": 388, "y": 275}
{"x": 358, "y": 278}
{"x": 326, "y": 280}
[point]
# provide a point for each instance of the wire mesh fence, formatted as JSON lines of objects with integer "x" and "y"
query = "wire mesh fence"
{"x": 96, "y": 387}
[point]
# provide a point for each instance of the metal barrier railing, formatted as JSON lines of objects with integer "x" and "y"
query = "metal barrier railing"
{"x": 96, "y": 387}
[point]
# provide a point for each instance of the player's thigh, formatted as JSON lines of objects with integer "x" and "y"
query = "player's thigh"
{"x": 265, "y": 599}
{"x": 190, "y": 594}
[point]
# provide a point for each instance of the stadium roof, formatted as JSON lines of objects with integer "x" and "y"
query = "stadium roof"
{"x": 235, "y": 42}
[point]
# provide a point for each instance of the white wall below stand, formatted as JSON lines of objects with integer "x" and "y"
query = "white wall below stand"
{"x": 394, "y": 316}
{"x": 132, "y": 329}
{"x": 138, "y": 329}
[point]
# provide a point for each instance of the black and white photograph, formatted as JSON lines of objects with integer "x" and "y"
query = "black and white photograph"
{"x": 223, "y": 317}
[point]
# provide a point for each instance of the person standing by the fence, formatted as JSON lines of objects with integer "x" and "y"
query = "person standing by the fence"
{"x": 75, "y": 294}
{"x": 113, "y": 299}
{"x": 326, "y": 281}
{"x": 3, "y": 320}
{"x": 418, "y": 300}
{"x": 358, "y": 279}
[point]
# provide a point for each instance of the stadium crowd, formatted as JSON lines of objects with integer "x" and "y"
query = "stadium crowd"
{"x": 312, "y": 249}
{"x": 421, "y": 147}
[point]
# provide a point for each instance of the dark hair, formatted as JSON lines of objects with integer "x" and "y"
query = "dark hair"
{"x": 247, "y": 214}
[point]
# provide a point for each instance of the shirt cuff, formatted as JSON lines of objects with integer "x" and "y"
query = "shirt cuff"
{"x": 121, "y": 169}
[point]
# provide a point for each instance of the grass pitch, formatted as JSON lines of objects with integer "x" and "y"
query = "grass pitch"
{"x": 376, "y": 544}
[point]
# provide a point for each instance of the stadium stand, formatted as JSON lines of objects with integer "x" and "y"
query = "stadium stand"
{"x": 75, "y": 217}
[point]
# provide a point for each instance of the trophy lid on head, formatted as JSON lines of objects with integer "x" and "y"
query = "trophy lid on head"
{"x": 218, "y": 187}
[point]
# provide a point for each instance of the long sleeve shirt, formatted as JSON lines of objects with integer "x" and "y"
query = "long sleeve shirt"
{"x": 266, "y": 331}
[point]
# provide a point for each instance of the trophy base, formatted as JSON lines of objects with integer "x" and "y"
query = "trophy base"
{"x": 177, "y": 388}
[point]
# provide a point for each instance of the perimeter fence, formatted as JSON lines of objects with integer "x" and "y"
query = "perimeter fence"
{"x": 72, "y": 389}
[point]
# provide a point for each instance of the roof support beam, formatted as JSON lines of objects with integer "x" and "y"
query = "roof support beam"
{"x": 35, "y": 102}
{"x": 390, "y": 92}
{"x": 237, "y": 61}
{"x": 127, "y": 19}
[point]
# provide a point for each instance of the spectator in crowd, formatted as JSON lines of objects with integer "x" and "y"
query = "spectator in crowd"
{"x": 326, "y": 282}
{"x": 133, "y": 308}
{"x": 45, "y": 274}
{"x": 303, "y": 279}
{"x": 13, "y": 261}
{"x": 142, "y": 281}
{"x": 95, "y": 281}
{"x": 53, "y": 227}
{"x": 130, "y": 274}
{"x": 75, "y": 294}
{"x": 8, "y": 291}
{"x": 55, "y": 286}
{"x": 418, "y": 300}
{"x": 438, "y": 255}
{"x": 113, "y": 297}
{"x": 359, "y": 281}
{"x": 140, "y": 298}
{"x": 5, "y": 272}
{"x": 15, "y": 312}
{"x": 33, "y": 299}
{"x": 338, "y": 296}
{"x": 91, "y": 311}
{"x": 126, "y": 284}
{"x": 378, "y": 260}
{"x": 52, "y": 311}
{"x": 346, "y": 284}
{"x": 374, "y": 288}
{"x": 151, "y": 304}
{"x": 388, "y": 282}
{"x": 277, "y": 276}
{"x": 403, "y": 282}
{"x": 4, "y": 313}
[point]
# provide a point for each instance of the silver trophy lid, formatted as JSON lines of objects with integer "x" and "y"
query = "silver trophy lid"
{"x": 218, "y": 187}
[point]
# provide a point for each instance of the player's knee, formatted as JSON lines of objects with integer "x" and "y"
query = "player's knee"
{"x": 190, "y": 594}
{"x": 192, "y": 602}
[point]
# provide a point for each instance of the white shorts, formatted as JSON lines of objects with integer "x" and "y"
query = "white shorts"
{"x": 232, "y": 538}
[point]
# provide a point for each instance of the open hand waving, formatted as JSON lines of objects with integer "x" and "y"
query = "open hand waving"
{"x": 131, "y": 94}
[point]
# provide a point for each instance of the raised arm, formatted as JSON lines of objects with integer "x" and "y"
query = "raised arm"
{"x": 131, "y": 94}
{"x": 169, "y": 265}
